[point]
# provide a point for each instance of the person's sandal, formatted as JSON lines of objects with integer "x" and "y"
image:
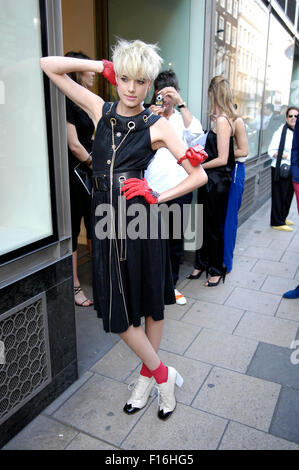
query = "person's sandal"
{"x": 214, "y": 284}
{"x": 194, "y": 276}
{"x": 76, "y": 291}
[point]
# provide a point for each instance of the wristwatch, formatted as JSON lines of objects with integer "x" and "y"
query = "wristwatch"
{"x": 183, "y": 105}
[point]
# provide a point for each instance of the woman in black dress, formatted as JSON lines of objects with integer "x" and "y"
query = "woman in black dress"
{"x": 132, "y": 277}
{"x": 219, "y": 165}
{"x": 80, "y": 129}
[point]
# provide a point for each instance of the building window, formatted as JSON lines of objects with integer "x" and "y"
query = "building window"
{"x": 291, "y": 10}
{"x": 228, "y": 32}
{"x": 229, "y": 6}
{"x": 222, "y": 3}
{"x": 234, "y": 36}
{"x": 221, "y": 28}
{"x": 235, "y": 9}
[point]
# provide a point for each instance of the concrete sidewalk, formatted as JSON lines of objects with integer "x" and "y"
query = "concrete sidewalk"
{"x": 232, "y": 345}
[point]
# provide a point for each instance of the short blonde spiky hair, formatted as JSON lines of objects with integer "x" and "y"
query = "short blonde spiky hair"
{"x": 136, "y": 59}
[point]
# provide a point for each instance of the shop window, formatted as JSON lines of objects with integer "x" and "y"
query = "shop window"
{"x": 278, "y": 80}
{"x": 27, "y": 215}
{"x": 244, "y": 64}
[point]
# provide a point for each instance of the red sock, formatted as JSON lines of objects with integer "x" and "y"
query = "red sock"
{"x": 160, "y": 374}
{"x": 146, "y": 372}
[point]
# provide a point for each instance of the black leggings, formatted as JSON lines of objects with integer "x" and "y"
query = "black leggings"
{"x": 213, "y": 196}
{"x": 281, "y": 198}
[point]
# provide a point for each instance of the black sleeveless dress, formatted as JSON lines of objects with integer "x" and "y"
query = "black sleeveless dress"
{"x": 214, "y": 197}
{"x": 131, "y": 269}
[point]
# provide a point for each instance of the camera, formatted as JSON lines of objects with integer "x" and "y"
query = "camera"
{"x": 159, "y": 100}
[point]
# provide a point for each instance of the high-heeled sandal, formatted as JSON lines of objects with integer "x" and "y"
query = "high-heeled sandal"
{"x": 214, "y": 284}
{"x": 196, "y": 276}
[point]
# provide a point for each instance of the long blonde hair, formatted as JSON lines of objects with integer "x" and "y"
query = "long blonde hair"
{"x": 220, "y": 93}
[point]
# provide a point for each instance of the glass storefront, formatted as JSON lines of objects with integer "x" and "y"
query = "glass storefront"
{"x": 26, "y": 208}
{"x": 278, "y": 80}
{"x": 255, "y": 52}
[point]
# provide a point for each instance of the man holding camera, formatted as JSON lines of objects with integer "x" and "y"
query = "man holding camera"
{"x": 163, "y": 171}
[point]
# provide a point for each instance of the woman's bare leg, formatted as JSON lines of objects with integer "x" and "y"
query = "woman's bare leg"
{"x": 137, "y": 340}
{"x": 80, "y": 297}
{"x": 154, "y": 331}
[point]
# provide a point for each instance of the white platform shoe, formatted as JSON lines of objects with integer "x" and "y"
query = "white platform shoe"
{"x": 167, "y": 401}
{"x": 140, "y": 394}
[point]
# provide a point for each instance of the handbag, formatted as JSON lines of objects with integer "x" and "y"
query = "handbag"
{"x": 285, "y": 171}
{"x": 84, "y": 175}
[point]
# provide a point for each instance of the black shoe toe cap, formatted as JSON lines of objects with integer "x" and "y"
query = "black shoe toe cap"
{"x": 129, "y": 409}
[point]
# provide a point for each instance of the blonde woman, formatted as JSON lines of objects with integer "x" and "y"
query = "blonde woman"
{"x": 132, "y": 277}
{"x": 219, "y": 166}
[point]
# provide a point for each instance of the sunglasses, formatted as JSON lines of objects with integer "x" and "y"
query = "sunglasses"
{"x": 293, "y": 115}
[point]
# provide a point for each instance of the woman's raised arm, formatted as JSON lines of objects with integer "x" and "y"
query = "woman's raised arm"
{"x": 57, "y": 68}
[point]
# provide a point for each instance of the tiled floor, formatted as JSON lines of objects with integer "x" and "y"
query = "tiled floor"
{"x": 231, "y": 343}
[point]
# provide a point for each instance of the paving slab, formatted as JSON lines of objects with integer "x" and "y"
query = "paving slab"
{"x": 118, "y": 363}
{"x": 280, "y": 244}
{"x": 245, "y": 263}
{"x": 248, "y": 299}
{"x": 178, "y": 336}
{"x": 238, "y": 397}
{"x": 84, "y": 442}
{"x": 176, "y": 312}
{"x": 68, "y": 393}
{"x": 274, "y": 363}
{"x": 275, "y": 268}
{"x": 289, "y": 308}
{"x": 238, "y": 277}
{"x": 240, "y": 437}
{"x": 285, "y": 423}
{"x": 294, "y": 245}
{"x": 262, "y": 252}
{"x": 290, "y": 256}
{"x": 203, "y": 431}
{"x": 96, "y": 409}
{"x": 251, "y": 239}
{"x": 43, "y": 433}
{"x": 212, "y": 315}
{"x": 278, "y": 285}
{"x": 222, "y": 349}
{"x": 267, "y": 329}
{"x": 196, "y": 290}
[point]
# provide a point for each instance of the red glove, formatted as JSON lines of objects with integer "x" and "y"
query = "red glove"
{"x": 136, "y": 187}
{"x": 108, "y": 71}
{"x": 196, "y": 155}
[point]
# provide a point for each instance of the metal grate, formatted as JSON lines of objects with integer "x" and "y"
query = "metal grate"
{"x": 25, "y": 368}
